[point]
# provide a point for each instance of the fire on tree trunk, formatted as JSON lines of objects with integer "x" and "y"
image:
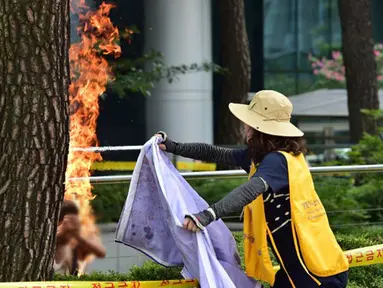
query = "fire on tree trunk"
{"x": 236, "y": 58}
{"x": 34, "y": 137}
{"x": 359, "y": 61}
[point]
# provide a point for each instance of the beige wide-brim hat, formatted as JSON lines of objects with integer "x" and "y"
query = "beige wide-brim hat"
{"x": 268, "y": 112}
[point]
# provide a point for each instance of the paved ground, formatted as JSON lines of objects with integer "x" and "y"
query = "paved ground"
{"x": 120, "y": 258}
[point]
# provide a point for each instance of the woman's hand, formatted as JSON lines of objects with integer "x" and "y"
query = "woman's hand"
{"x": 197, "y": 222}
{"x": 162, "y": 135}
{"x": 190, "y": 225}
{"x": 162, "y": 146}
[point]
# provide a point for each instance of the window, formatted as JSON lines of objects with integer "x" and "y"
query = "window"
{"x": 294, "y": 29}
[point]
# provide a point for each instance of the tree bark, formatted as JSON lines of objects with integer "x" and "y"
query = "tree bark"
{"x": 360, "y": 64}
{"x": 34, "y": 136}
{"x": 235, "y": 57}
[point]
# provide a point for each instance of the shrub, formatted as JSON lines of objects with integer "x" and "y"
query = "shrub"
{"x": 368, "y": 187}
{"x": 365, "y": 276}
{"x": 109, "y": 201}
{"x": 339, "y": 200}
{"x": 153, "y": 271}
{"x": 149, "y": 271}
{"x": 213, "y": 190}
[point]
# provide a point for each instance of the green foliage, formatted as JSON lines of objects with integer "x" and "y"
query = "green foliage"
{"x": 368, "y": 151}
{"x": 213, "y": 190}
{"x": 365, "y": 276}
{"x": 339, "y": 200}
{"x": 95, "y": 276}
{"x": 149, "y": 271}
{"x": 153, "y": 271}
{"x": 141, "y": 74}
{"x": 109, "y": 201}
{"x": 368, "y": 188}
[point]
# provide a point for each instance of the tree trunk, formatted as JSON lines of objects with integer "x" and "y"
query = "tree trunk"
{"x": 34, "y": 136}
{"x": 359, "y": 61}
{"x": 235, "y": 57}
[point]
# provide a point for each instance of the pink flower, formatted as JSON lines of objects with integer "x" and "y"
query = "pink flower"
{"x": 338, "y": 77}
{"x": 336, "y": 54}
{"x": 333, "y": 68}
{"x": 318, "y": 63}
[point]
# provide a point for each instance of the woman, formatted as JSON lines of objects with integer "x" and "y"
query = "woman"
{"x": 71, "y": 247}
{"x": 279, "y": 202}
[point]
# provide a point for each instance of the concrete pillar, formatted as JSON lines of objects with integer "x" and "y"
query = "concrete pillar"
{"x": 181, "y": 30}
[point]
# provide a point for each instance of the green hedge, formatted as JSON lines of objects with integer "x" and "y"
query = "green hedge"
{"x": 149, "y": 271}
{"x": 360, "y": 277}
{"x": 336, "y": 194}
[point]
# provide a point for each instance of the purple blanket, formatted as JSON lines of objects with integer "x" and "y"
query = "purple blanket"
{"x": 151, "y": 222}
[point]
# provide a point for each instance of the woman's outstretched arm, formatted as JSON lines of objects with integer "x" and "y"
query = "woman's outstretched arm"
{"x": 234, "y": 202}
{"x": 205, "y": 152}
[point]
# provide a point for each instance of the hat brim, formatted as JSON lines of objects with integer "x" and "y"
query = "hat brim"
{"x": 257, "y": 121}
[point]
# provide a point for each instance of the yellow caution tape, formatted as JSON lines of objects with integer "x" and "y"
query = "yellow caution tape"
{"x": 103, "y": 284}
{"x": 362, "y": 256}
{"x": 113, "y": 166}
{"x": 356, "y": 257}
{"x": 365, "y": 256}
{"x": 129, "y": 166}
{"x": 196, "y": 166}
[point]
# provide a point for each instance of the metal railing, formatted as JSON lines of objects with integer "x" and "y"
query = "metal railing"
{"x": 139, "y": 147}
{"x": 226, "y": 174}
{"x": 106, "y": 148}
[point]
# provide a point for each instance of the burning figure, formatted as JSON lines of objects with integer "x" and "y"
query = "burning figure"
{"x": 72, "y": 248}
{"x": 90, "y": 73}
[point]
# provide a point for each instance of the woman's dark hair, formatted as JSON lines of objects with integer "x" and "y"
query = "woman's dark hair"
{"x": 261, "y": 144}
{"x": 68, "y": 208}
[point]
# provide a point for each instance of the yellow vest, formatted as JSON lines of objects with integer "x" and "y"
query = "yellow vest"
{"x": 320, "y": 253}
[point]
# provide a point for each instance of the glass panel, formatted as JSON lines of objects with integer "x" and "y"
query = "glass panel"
{"x": 280, "y": 45}
{"x": 305, "y": 82}
{"x": 282, "y": 82}
{"x": 377, "y": 20}
{"x": 313, "y": 31}
{"x": 336, "y": 32}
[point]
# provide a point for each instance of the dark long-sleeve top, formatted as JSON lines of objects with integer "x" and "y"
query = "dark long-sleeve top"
{"x": 240, "y": 196}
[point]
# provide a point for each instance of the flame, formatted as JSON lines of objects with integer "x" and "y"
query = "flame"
{"x": 90, "y": 74}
